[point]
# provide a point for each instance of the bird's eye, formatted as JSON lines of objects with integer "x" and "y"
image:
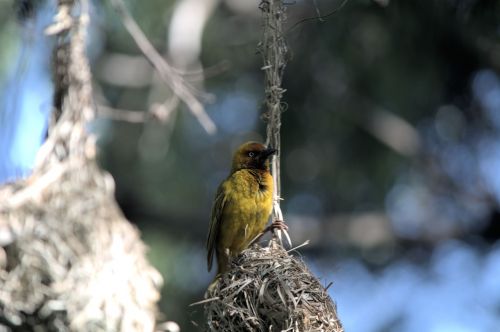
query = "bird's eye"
{"x": 251, "y": 154}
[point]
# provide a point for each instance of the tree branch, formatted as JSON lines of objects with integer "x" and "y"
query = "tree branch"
{"x": 167, "y": 73}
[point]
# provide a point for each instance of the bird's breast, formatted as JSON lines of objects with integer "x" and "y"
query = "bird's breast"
{"x": 250, "y": 198}
{"x": 253, "y": 185}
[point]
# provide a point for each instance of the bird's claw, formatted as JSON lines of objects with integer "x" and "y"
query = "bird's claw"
{"x": 277, "y": 225}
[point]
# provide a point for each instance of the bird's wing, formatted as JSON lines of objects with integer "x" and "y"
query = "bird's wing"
{"x": 215, "y": 223}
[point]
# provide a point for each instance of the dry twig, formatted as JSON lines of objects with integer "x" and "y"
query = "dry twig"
{"x": 179, "y": 86}
{"x": 273, "y": 49}
{"x": 161, "y": 112}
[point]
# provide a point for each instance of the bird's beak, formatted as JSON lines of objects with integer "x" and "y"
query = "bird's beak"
{"x": 267, "y": 153}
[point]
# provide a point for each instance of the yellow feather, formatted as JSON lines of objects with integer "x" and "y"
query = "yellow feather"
{"x": 242, "y": 205}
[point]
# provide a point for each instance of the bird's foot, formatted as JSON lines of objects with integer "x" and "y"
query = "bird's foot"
{"x": 279, "y": 228}
{"x": 277, "y": 225}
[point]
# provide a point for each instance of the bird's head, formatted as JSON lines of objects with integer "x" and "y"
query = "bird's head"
{"x": 252, "y": 155}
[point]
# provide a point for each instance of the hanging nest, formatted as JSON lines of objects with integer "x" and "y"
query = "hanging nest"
{"x": 69, "y": 260}
{"x": 269, "y": 290}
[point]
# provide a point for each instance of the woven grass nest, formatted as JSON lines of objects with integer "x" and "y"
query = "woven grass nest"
{"x": 69, "y": 260}
{"x": 267, "y": 289}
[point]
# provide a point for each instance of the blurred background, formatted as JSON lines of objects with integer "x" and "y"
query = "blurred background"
{"x": 390, "y": 143}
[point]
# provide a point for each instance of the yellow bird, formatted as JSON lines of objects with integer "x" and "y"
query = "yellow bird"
{"x": 242, "y": 204}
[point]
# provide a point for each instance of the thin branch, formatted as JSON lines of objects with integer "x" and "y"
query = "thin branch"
{"x": 318, "y": 17}
{"x": 121, "y": 114}
{"x": 274, "y": 49}
{"x": 158, "y": 111}
{"x": 178, "y": 85}
{"x": 207, "y": 72}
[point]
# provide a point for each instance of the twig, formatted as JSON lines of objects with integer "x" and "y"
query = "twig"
{"x": 158, "y": 111}
{"x": 178, "y": 85}
{"x": 207, "y": 72}
{"x": 273, "y": 49}
{"x": 318, "y": 17}
{"x": 121, "y": 114}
